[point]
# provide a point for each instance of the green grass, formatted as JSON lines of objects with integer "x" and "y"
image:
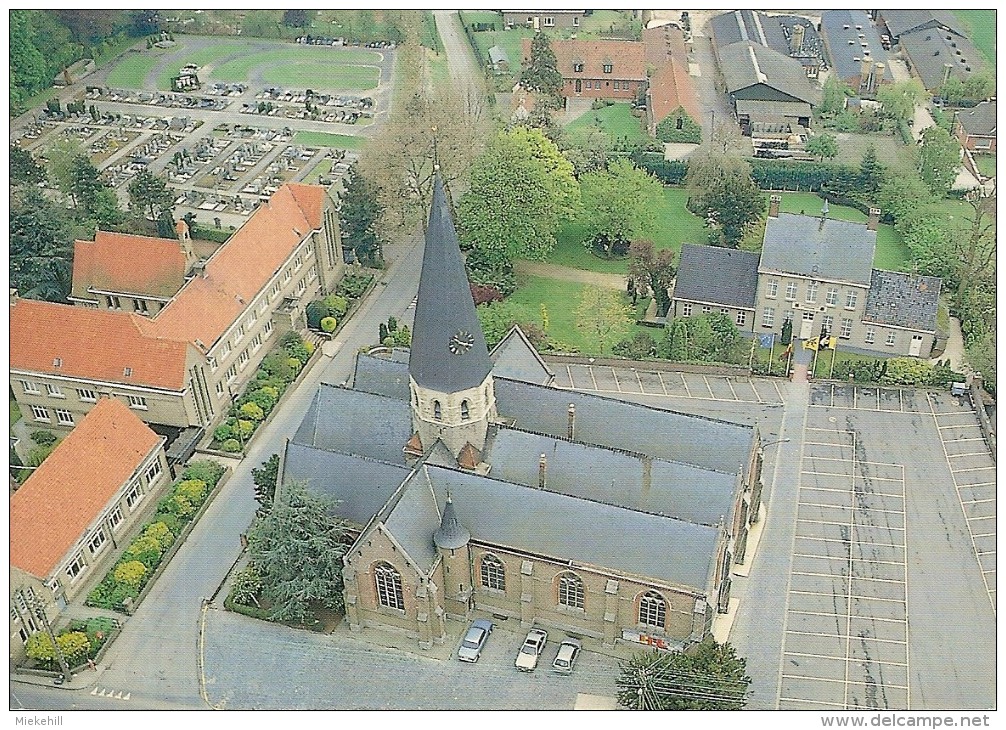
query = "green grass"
{"x": 439, "y": 70}
{"x": 326, "y": 139}
{"x": 823, "y": 367}
{"x": 982, "y": 24}
{"x": 132, "y": 71}
{"x": 675, "y": 225}
{"x": 616, "y": 121}
{"x": 472, "y": 17}
{"x": 509, "y": 40}
{"x": 603, "y": 20}
{"x": 316, "y": 75}
{"x": 891, "y": 253}
{"x": 986, "y": 165}
{"x": 201, "y": 57}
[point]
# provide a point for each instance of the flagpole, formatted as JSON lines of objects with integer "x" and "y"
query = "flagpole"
{"x": 817, "y": 351}
{"x": 771, "y": 353}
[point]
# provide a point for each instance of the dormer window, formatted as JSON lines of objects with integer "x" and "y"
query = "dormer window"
{"x": 437, "y": 414}
{"x": 577, "y": 68}
{"x": 464, "y": 410}
{"x": 607, "y": 68}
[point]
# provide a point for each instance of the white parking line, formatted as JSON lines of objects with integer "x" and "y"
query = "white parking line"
{"x": 843, "y": 557}
{"x": 985, "y": 534}
{"x": 852, "y": 541}
{"x": 777, "y": 391}
{"x": 570, "y": 374}
{"x": 846, "y": 524}
{"x": 851, "y": 476}
{"x": 856, "y": 577}
{"x": 838, "y": 681}
{"x": 832, "y": 615}
{"x": 971, "y": 453}
{"x": 839, "y": 658}
{"x": 688, "y": 390}
{"x": 976, "y": 468}
{"x": 709, "y": 387}
{"x": 856, "y": 508}
{"x": 731, "y": 386}
{"x": 851, "y": 597}
{"x": 840, "y": 636}
{"x": 810, "y": 702}
{"x": 662, "y": 383}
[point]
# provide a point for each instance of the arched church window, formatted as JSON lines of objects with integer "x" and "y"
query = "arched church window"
{"x": 570, "y": 590}
{"x": 437, "y": 414}
{"x": 493, "y": 573}
{"x": 464, "y": 410}
{"x": 652, "y": 610}
{"x": 389, "y": 587}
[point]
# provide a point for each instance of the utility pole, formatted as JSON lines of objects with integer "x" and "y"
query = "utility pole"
{"x": 40, "y": 613}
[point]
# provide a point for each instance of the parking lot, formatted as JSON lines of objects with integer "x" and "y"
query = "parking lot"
{"x": 846, "y": 637}
{"x": 637, "y": 381}
{"x": 870, "y": 398}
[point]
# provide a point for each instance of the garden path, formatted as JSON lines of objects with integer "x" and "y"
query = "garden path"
{"x": 565, "y": 273}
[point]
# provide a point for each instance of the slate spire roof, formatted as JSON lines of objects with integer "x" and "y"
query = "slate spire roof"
{"x": 448, "y": 352}
{"x": 451, "y": 534}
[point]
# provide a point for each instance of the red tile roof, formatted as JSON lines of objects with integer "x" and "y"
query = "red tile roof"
{"x": 64, "y": 496}
{"x": 96, "y": 344}
{"x": 209, "y": 304}
{"x": 109, "y": 263}
{"x": 670, "y": 86}
{"x": 626, "y": 57}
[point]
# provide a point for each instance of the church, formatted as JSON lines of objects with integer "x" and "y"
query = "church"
{"x": 477, "y": 487}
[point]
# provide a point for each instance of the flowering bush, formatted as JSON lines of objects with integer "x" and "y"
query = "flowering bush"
{"x": 160, "y": 532}
{"x": 130, "y": 573}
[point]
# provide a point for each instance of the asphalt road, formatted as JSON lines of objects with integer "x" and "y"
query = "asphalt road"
{"x": 460, "y": 59}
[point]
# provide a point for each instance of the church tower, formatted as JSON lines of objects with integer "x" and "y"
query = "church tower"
{"x": 449, "y": 368}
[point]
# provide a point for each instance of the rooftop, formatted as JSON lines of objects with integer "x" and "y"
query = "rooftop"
{"x": 515, "y": 357}
{"x": 837, "y": 250}
{"x": 627, "y": 58}
{"x": 62, "y": 499}
{"x": 903, "y": 300}
{"x": 717, "y": 275}
{"x": 739, "y": 26}
{"x": 935, "y": 52}
{"x": 748, "y": 64}
{"x": 109, "y": 263}
{"x": 906, "y": 21}
{"x": 980, "y": 120}
{"x": 850, "y": 37}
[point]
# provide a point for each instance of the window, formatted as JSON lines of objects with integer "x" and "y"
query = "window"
{"x": 870, "y": 335}
{"x": 76, "y": 567}
{"x": 212, "y": 362}
{"x": 267, "y": 327}
{"x": 256, "y": 342}
{"x": 302, "y": 285}
{"x": 846, "y": 332}
{"x": 577, "y": 68}
{"x": 97, "y": 542}
{"x": 154, "y": 471}
{"x": 652, "y": 610}
{"x": 127, "y": 372}
{"x": 287, "y": 275}
{"x": 464, "y": 410}
{"x": 771, "y": 289}
{"x": 115, "y": 518}
{"x": 54, "y": 390}
{"x": 607, "y": 68}
{"x": 240, "y": 333}
{"x": 616, "y": 85}
{"x": 389, "y": 587}
{"x": 437, "y": 414}
{"x": 113, "y": 303}
{"x": 828, "y": 322}
{"x": 243, "y": 357}
{"x": 220, "y": 389}
{"x": 40, "y": 414}
{"x": 831, "y": 298}
{"x": 140, "y": 305}
{"x": 138, "y": 402}
{"x": 741, "y": 318}
{"x": 791, "y": 291}
{"x": 706, "y": 309}
{"x": 576, "y": 21}
{"x": 225, "y": 350}
{"x": 64, "y": 417}
{"x": 86, "y": 395}
{"x": 812, "y": 292}
{"x": 493, "y": 573}
{"x": 312, "y": 273}
{"x": 850, "y": 300}
{"x": 30, "y": 387}
{"x": 571, "y": 591}
{"x": 252, "y": 317}
{"x": 134, "y": 497}
{"x": 298, "y": 262}
{"x": 232, "y": 372}
{"x": 768, "y": 317}
{"x": 890, "y": 339}
{"x": 686, "y": 309}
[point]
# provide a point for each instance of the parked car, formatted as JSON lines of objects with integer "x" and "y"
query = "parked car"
{"x": 527, "y": 658}
{"x": 565, "y": 658}
{"x": 475, "y": 640}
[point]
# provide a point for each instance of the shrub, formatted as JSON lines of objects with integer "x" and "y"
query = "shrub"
{"x": 39, "y": 454}
{"x": 222, "y": 432}
{"x": 231, "y": 446}
{"x": 206, "y": 471}
{"x": 679, "y": 127}
{"x": 73, "y": 645}
{"x": 245, "y": 429}
{"x": 485, "y": 293}
{"x": 247, "y": 583}
{"x": 193, "y": 490}
{"x": 270, "y": 391}
{"x": 315, "y": 312}
{"x": 294, "y": 364}
{"x": 160, "y": 532}
{"x": 309, "y": 348}
{"x": 329, "y": 324}
{"x": 353, "y": 285}
{"x": 182, "y": 507}
{"x": 265, "y": 401}
{"x": 337, "y": 305}
{"x": 170, "y": 521}
{"x": 252, "y": 412}
{"x": 277, "y": 365}
{"x": 640, "y": 346}
{"x": 130, "y": 573}
{"x": 145, "y": 549}
{"x": 43, "y": 438}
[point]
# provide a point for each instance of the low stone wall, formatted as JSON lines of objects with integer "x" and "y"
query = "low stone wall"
{"x": 654, "y": 365}
{"x": 986, "y": 425}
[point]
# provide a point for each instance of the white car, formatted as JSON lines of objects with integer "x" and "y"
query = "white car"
{"x": 565, "y": 658}
{"x": 527, "y": 658}
{"x": 475, "y": 640}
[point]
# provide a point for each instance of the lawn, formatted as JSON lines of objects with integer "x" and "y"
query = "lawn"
{"x": 606, "y": 21}
{"x": 132, "y": 71}
{"x": 891, "y": 253}
{"x": 675, "y": 225}
{"x": 439, "y": 70}
{"x": 509, "y": 40}
{"x": 326, "y": 139}
{"x": 616, "y": 121}
{"x": 982, "y": 24}
{"x": 316, "y": 75}
{"x": 986, "y": 165}
{"x": 200, "y": 57}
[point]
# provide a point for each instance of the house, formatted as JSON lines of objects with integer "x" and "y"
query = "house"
{"x": 469, "y": 480}
{"x": 544, "y": 19}
{"x": 590, "y": 69}
{"x": 179, "y": 363}
{"x": 711, "y": 278}
{"x": 855, "y": 50}
{"x": 789, "y": 35}
{"x": 935, "y": 56}
{"x": 975, "y": 128}
{"x": 87, "y": 499}
{"x": 769, "y": 92}
{"x": 670, "y": 91}
{"x": 902, "y": 22}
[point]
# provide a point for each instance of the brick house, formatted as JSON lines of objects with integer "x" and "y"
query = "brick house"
{"x": 86, "y": 500}
{"x": 179, "y": 362}
{"x": 670, "y": 92}
{"x": 590, "y": 69}
{"x": 975, "y": 128}
{"x": 544, "y": 19}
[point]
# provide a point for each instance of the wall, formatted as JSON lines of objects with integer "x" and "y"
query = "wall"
{"x": 681, "y": 309}
{"x": 606, "y": 90}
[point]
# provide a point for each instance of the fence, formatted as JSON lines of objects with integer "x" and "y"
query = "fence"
{"x": 984, "y": 422}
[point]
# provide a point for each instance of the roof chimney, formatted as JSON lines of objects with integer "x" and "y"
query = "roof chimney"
{"x": 874, "y": 219}
{"x": 773, "y": 205}
{"x": 542, "y": 469}
{"x": 571, "y": 422}
{"x": 796, "y": 39}
{"x": 824, "y": 215}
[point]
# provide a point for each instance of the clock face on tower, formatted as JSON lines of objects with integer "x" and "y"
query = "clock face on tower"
{"x": 461, "y": 342}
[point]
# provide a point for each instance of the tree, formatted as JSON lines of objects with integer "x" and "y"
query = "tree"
{"x": 295, "y": 18}
{"x": 520, "y": 188}
{"x": 652, "y": 271}
{"x": 899, "y": 100}
{"x": 603, "y": 316}
{"x": 40, "y": 249}
{"x": 297, "y": 550}
{"x": 833, "y": 95}
{"x": 542, "y": 74}
{"x": 979, "y": 86}
{"x": 149, "y": 196}
{"x": 974, "y": 249}
{"x": 709, "y": 676}
{"x": 620, "y": 206}
{"x": 900, "y": 195}
{"x": 939, "y": 158}
{"x": 981, "y": 354}
{"x": 91, "y": 194}
{"x": 359, "y": 215}
{"x": 23, "y": 168}
{"x": 871, "y": 172}
{"x": 265, "y": 478}
{"x": 28, "y": 70}
{"x": 722, "y": 191}
{"x": 823, "y": 146}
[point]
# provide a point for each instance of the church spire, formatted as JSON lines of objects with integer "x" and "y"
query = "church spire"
{"x": 448, "y": 351}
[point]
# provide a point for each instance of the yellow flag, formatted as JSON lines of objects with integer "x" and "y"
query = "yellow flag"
{"x": 810, "y": 344}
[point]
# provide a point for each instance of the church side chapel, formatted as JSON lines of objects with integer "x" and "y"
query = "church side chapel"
{"x": 478, "y": 487}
